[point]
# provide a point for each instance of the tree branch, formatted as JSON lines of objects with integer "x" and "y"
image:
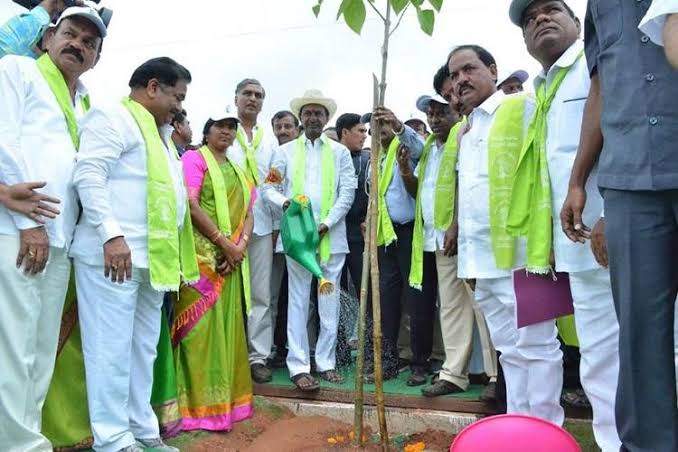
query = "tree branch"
{"x": 377, "y": 10}
{"x": 402, "y": 14}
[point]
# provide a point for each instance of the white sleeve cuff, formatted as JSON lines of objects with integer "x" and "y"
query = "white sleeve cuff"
{"x": 108, "y": 230}
{"x": 22, "y": 222}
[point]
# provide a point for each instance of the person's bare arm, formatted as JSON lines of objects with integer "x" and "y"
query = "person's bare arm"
{"x": 590, "y": 147}
{"x": 204, "y": 224}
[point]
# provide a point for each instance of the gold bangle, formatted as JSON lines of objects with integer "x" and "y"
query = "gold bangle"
{"x": 214, "y": 237}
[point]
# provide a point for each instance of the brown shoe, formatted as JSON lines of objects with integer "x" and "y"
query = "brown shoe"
{"x": 260, "y": 373}
{"x": 441, "y": 387}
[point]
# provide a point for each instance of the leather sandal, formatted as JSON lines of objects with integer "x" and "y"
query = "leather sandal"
{"x": 311, "y": 383}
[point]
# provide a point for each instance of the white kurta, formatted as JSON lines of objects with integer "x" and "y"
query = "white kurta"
{"x": 35, "y": 145}
{"x": 260, "y": 321}
{"x": 596, "y": 320}
{"x": 531, "y": 356}
{"x": 434, "y": 239}
{"x": 119, "y": 323}
{"x": 299, "y": 279}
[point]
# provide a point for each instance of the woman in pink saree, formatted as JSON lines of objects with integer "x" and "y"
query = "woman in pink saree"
{"x": 208, "y": 331}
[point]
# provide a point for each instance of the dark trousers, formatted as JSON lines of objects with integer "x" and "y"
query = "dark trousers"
{"x": 353, "y": 267}
{"x": 642, "y": 239}
{"x": 394, "y": 271}
{"x": 280, "y": 331}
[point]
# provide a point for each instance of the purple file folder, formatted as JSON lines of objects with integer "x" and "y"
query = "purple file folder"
{"x": 540, "y": 298}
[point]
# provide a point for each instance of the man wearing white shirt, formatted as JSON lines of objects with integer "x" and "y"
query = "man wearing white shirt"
{"x": 314, "y": 110}
{"x": 436, "y": 201}
{"x": 560, "y": 51}
{"x": 42, "y": 103}
{"x": 253, "y": 150}
{"x": 660, "y": 24}
{"x": 530, "y": 356}
{"x": 119, "y": 280}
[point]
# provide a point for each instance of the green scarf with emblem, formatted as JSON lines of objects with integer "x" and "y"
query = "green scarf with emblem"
{"x": 530, "y": 212}
{"x": 504, "y": 145}
{"x": 327, "y": 176}
{"x": 171, "y": 250}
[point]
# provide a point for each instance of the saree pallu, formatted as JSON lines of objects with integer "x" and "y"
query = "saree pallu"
{"x": 65, "y": 417}
{"x": 208, "y": 332}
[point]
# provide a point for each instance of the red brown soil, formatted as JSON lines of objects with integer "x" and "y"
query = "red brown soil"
{"x": 287, "y": 433}
{"x": 436, "y": 440}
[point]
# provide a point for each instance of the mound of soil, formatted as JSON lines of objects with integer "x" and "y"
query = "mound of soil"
{"x": 279, "y": 430}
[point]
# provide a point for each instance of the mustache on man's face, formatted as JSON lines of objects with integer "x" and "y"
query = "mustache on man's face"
{"x": 75, "y": 52}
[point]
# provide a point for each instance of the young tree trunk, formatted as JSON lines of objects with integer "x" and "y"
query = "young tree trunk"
{"x": 360, "y": 359}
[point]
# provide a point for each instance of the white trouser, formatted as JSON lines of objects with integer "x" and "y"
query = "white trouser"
{"x": 299, "y": 281}
{"x": 30, "y": 319}
{"x": 530, "y": 356}
{"x": 598, "y": 333}
{"x": 120, "y": 329}
{"x": 260, "y": 321}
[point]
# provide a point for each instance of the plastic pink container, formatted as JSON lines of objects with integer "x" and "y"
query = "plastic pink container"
{"x": 514, "y": 433}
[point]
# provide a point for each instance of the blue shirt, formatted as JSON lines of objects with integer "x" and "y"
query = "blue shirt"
{"x": 399, "y": 203}
{"x": 20, "y": 33}
{"x": 639, "y": 91}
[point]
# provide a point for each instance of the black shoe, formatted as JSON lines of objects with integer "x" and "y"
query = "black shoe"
{"x": 388, "y": 374}
{"x": 489, "y": 394}
{"x": 260, "y": 373}
{"x": 441, "y": 387}
{"x": 418, "y": 377}
{"x": 278, "y": 361}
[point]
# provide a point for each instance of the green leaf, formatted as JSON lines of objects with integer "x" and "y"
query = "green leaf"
{"x": 437, "y": 4}
{"x": 354, "y": 14}
{"x": 398, "y": 5}
{"x": 342, "y": 7}
{"x": 426, "y": 20}
{"x": 316, "y": 8}
{"x": 417, "y": 3}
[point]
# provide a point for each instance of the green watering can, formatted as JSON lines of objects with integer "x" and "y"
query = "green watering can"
{"x": 300, "y": 239}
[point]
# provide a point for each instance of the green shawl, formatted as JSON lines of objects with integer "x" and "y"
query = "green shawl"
{"x": 171, "y": 251}
{"x": 504, "y": 145}
{"x": 250, "y": 158}
{"x": 530, "y": 212}
{"x": 56, "y": 82}
{"x": 443, "y": 212}
{"x": 223, "y": 212}
{"x": 385, "y": 232}
{"x": 327, "y": 175}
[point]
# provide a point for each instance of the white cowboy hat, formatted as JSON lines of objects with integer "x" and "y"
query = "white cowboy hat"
{"x": 313, "y": 96}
